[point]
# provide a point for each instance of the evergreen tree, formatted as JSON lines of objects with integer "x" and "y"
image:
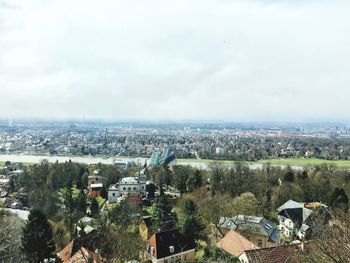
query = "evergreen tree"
{"x": 194, "y": 181}
{"x": 11, "y": 185}
{"x": 190, "y": 225}
{"x": 181, "y": 176}
{"x": 68, "y": 198}
{"x": 94, "y": 207}
{"x": 163, "y": 218}
{"x": 81, "y": 201}
{"x": 37, "y": 239}
{"x": 45, "y": 199}
{"x": 289, "y": 176}
{"x": 151, "y": 189}
{"x": 339, "y": 199}
{"x": 267, "y": 203}
{"x": 216, "y": 172}
{"x": 104, "y": 193}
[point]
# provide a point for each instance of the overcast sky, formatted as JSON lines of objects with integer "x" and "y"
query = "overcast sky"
{"x": 234, "y": 60}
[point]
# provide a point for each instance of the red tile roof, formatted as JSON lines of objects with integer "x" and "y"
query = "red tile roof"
{"x": 235, "y": 244}
{"x": 278, "y": 254}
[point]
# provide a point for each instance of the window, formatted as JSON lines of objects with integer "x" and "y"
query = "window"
{"x": 134, "y": 188}
{"x": 113, "y": 194}
{"x": 260, "y": 243}
{"x": 142, "y": 187}
{"x": 129, "y": 188}
{"x": 124, "y": 188}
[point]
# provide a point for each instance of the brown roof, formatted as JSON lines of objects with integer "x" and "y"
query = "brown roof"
{"x": 279, "y": 254}
{"x": 75, "y": 250}
{"x": 235, "y": 244}
{"x": 67, "y": 252}
{"x": 83, "y": 255}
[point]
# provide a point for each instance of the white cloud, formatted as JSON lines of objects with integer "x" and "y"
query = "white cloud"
{"x": 199, "y": 59}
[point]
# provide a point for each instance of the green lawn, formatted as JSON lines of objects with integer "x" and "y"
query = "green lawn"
{"x": 202, "y": 160}
{"x": 100, "y": 200}
{"x": 307, "y": 161}
{"x": 285, "y": 161}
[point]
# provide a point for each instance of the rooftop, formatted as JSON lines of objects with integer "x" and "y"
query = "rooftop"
{"x": 252, "y": 224}
{"x": 278, "y": 254}
{"x": 170, "y": 242}
{"x": 235, "y": 244}
{"x": 129, "y": 180}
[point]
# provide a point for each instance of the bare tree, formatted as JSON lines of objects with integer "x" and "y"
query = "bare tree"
{"x": 330, "y": 241}
{"x": 10, "y": 237}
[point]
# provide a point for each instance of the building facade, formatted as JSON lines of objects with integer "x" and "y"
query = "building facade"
{"x": 127, "y": 186}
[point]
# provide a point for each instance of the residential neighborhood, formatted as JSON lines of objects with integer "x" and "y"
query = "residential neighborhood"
{"x": 167, "y": 213}
{"x": 153, "y": 131}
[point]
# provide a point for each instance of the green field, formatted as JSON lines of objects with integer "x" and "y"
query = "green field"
{"x": 286, "y": 161}
{"x": 307, "y": 161}
{"x": 202, "y": 160}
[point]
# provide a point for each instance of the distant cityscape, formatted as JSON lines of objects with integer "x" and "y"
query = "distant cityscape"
{"x": 212, "y": 140}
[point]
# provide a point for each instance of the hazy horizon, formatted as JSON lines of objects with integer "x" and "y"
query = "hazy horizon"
{"x": 203, "y": 60}
{"x": 34, "y": 120}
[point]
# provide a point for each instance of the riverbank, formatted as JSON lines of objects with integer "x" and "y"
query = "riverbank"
{"x": 297, "y": 163}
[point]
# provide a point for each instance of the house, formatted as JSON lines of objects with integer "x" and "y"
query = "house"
{"x": 294, "y": 218}
{"x": 278, "y": 254}
{"x": 95, "y": 185}
{"x": 235, "y": 244}
{"x": 145, "y": 228}
{"x": 127, "y": 186}
{"x": 238, "y": 246}
{"x": 170, "y": 246}
{"x": 260, "y": 231}
{"x": 95, "y": 190}
{"x": 76, "y": 252}
{"x": 84, "y": 255}
{"x": 291, "y": 216}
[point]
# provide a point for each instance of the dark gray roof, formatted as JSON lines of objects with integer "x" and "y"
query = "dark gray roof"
{"x": 172, "y": 238}
{"x": 251, "y": 224}
{"x": 294, "y": 211}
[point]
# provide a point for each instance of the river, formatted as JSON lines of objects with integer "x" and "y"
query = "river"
{"x": 94, "y": 160}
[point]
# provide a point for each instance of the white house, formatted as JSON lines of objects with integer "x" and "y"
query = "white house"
{"x": 292, "y": 218}
{"x": 127, "y": 186}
